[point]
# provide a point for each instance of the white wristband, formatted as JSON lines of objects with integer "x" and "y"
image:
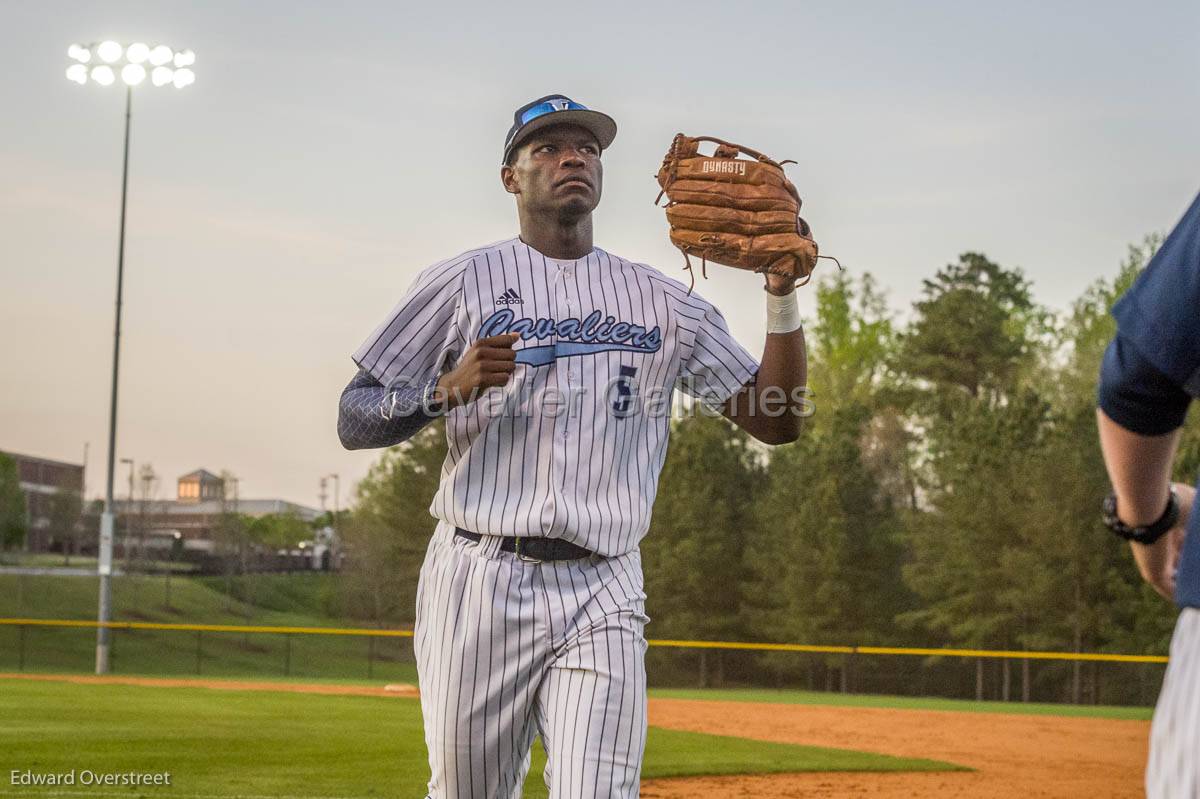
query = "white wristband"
{"x": 783, "y": 313}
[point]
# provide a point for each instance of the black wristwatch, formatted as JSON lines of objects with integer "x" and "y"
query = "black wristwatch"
{"x": 1141, "y": 535}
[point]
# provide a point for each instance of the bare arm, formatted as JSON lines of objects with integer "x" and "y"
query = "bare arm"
{"x": 1148, "y": 377}
{"x": 1139, "y": 419}
{"x": 771, "y": 406}
{"x": 1140, "y": 470}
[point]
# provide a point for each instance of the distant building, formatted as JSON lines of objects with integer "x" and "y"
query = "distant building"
{"x": 153, "y": 526}
{"x": 194, "y": 520}
{"x": 40, "y": 479}
{"x": 200, "y": 485}
{"x": 192, "y": 517}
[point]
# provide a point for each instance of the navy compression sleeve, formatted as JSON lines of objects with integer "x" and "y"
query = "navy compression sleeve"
{"x": 371, "y": 416}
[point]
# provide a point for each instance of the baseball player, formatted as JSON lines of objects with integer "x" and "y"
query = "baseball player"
{"x": 1150, "y": 374}
{"x": 553, "y": 362}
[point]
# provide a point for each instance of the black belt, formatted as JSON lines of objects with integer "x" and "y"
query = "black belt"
{"x": 534, "y": 549}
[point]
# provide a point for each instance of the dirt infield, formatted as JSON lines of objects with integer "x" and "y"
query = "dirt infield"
{"x": 1040, "y": 757}
{"x": 401, "y": 690}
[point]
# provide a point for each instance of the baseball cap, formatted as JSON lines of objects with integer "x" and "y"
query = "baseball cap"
{"x": 557, "y": 109}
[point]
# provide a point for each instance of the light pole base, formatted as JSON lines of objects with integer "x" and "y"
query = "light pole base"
{"x": 104, "y": 611}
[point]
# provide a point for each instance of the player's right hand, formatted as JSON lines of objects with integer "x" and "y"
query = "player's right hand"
{"x": 1159, "y": 561}
{"x": 488, "y": 363}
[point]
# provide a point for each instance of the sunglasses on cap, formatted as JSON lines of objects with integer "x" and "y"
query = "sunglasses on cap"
{"x": 549, "y": 107}
{"x": 552, "y": 109}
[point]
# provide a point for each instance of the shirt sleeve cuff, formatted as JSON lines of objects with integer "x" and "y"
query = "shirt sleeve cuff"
{"x": 1136, "y": 395}
{"x": 717, "y": 394}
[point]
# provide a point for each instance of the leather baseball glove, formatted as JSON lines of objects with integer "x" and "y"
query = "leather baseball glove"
{"x": 735, "y": 211}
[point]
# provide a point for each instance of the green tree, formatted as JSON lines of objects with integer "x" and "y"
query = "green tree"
{"x": 958, "y": 544}
{"x": 275, "y": 531}
{"x": 14, "y": 516}
{"x": 1095, "y": 599}
{"x": 692, "y": 555}
{"x": 972, "y": 358}
{"x": 229, "y": 544}
{"x": 851, "y": 342}
{"x": 1007, "y": 550}
{"x": 64, "y": 510}
{"x": 853, "y": 345}
{"x": 826, "y": 561}
{"x": 261, "y": 537}
{"x": 1089, "y": 326}
{"x": 386, "y": 535}
{"x": 972, "y": 329}
{"x": 1090, "y": 597}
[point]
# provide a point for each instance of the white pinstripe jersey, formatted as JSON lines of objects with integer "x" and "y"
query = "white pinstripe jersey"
{"x": 573, "y": 445}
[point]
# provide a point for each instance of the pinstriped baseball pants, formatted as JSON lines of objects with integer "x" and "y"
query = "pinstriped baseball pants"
{"x": 1173, "y": 770}
{"x": 508, "y": 649}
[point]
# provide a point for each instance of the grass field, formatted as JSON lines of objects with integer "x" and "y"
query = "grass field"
{"x": 282, "y": 600}
{"x": 233, "y": 743}
{"x": 53, "y": 560}
{"x": 299, "y": 600}
{"x": 906, "y": 702}
{"x": 279, "y": 599}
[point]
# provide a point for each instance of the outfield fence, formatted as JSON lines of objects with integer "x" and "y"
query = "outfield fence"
{"x": 349, "y": 653}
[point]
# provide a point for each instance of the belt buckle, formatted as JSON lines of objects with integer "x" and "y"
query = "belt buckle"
{"x": 521, "y": 554}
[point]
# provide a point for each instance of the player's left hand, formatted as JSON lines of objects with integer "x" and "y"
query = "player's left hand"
{"x": 779, "y": 285}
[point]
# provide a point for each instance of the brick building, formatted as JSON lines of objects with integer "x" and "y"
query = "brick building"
{"x": 200, "y": 500}
{"x": 153, "y": 526}
{"x": 41, "y": 479}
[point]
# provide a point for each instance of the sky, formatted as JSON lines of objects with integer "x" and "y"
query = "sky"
{"x": 279, "y": 207}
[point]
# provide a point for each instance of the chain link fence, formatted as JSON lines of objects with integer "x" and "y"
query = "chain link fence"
{"x": 161, "y": 649}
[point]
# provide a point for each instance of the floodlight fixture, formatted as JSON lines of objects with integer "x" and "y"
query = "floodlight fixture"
{"x": 137, "y": 52}
{"x": 109, "y": 52}
{"x": 103, "y": 74}
{"x": 133, "y": 64}
{"x": 161, "y": 55}
{"x": 133, "y": 74}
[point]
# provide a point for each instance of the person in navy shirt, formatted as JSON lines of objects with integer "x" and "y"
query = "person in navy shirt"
{"x": 1149, "y": 376}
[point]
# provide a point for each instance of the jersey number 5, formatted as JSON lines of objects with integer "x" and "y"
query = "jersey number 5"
{"x": 623, "y": 405}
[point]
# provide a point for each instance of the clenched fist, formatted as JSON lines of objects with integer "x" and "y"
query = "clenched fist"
{"x": 490, "y": 362}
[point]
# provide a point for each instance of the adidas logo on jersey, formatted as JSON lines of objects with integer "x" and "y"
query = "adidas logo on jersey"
{"x": 509, "y": 297}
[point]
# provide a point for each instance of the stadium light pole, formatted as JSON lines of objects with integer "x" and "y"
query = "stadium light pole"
{"x": 133, "y": 64}
{"x": 337, "y": 490}
{"x": 128, "y": 512}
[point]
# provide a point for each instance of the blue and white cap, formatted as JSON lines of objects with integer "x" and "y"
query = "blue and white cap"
{"x": 557, "y": 109}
